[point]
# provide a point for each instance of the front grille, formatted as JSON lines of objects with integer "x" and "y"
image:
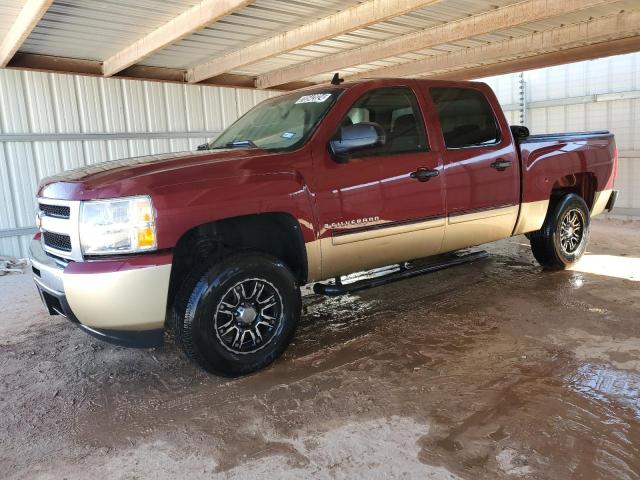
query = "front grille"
{"x": 57, "y": 241}
{"x": 59, "y": 224}
{"x": 58, "y": 211}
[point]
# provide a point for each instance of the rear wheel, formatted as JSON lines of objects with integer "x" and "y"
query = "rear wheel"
{"x": 563, "y": 238}
{"x": 239, "y": 315}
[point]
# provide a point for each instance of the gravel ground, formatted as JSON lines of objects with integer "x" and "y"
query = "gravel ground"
{"x": 490, "y": 370}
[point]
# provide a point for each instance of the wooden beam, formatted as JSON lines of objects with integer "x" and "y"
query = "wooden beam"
{"x": 561, "y": 57}
{"x": 593, "y": 31}
{"x": 197, "y": 17}
{"x": 25, "y": 22}
{"x": 47, "y": 63}
{"x": 353, "y": 18}
{"x": 501, "y": 18}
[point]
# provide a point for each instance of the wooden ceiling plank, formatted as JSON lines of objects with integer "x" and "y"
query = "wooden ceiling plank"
{"x": 25, "y": 22}
{"x": 76, "y": 66}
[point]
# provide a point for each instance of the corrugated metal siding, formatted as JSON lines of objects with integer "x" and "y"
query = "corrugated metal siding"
{"x": 601, "y": 94}
{"x": 45, "y": 103}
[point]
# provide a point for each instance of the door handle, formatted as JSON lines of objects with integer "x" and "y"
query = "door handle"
{"x": 424, "y": 174}
{"x": 501, "y": 165}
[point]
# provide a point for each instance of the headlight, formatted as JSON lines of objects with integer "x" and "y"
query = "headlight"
{"x": 123, "y": 225}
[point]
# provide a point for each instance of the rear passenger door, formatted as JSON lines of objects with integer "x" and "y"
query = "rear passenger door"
{"x": 481, "y": 167}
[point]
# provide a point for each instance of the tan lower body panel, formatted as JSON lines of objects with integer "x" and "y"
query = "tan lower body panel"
{"x": 479, "y": 227}
{"x": 128, "y": 300}
{"x": 376, "y": 248}
{"x": 314, "y": 261}
{"x": 348, "y": 253}
{"x": 531, "y": 218}
{"x": 600, "y": 202}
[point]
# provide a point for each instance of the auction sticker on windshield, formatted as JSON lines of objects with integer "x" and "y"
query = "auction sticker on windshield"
{"x": 315, "y": 98}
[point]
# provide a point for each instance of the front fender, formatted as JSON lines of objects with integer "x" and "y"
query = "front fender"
{"x": 185, "y": 206}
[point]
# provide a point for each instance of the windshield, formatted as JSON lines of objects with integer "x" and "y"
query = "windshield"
{"x": 280, "y": 123}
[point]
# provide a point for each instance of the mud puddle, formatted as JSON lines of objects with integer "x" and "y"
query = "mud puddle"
{"x": 489, "y": 370}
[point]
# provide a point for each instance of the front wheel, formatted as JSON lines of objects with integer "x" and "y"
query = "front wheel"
{"x": 563, "y": 238}
{"x": 239, "y": 315}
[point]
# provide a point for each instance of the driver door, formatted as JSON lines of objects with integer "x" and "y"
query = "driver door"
{"x": 383, "y": 204}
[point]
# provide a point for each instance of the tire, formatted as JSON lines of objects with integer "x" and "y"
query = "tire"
{"x": 563, "y": 238}
{"x": 239, "y": 315}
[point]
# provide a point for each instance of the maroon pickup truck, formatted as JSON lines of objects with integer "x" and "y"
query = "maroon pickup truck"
{"x": 311, "y": 185}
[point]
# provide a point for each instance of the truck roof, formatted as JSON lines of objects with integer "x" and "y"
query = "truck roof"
{"x": 382, "y": 82}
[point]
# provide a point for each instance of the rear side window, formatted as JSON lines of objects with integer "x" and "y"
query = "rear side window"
{"x": 466, "y": 117}
{"x": 396, "y": 110}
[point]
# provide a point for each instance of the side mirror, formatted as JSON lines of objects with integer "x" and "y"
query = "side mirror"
{"x": 353, "y": 138}
{"x": 519, "y": 131}
{"x": 204, "y": 146}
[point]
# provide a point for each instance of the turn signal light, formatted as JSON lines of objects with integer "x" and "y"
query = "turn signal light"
{"x": 146, "y": 237}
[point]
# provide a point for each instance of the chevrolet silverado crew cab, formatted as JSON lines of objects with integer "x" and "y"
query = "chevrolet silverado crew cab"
{"x": 306, "y": 186}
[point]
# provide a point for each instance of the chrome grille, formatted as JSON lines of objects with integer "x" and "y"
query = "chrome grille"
{"x": 59, "y": 224}
{"x": 57, "y": 241}
{"x": 58, "y": 211}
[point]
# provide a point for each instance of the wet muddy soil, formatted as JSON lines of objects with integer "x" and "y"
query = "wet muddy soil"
{"x": 490, "y": 370}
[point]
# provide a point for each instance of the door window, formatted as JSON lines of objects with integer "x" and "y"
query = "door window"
{"x": 466, "y": 117}
{"x": 396, "y": 111}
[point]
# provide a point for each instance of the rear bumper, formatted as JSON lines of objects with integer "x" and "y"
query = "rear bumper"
{"x": 604, "y": 200}
{"x": 612, "y": 200}
{"x": 122, "y": 301}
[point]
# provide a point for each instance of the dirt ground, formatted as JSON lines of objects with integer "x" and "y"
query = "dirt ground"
{"x": 490, "y": 370}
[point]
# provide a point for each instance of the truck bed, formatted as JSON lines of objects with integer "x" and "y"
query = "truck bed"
{"x": 564, "y": 137}
{"x": 549, "y": 158}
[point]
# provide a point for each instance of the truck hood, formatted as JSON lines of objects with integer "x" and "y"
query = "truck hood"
{"x": 138, "y": 174}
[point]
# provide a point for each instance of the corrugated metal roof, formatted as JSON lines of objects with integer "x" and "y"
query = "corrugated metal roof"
{"x": 436, "y": 14}
{"x": 447, "y": 11}
{"x": 96, "y": 29}
{"x": 92, "y": 29}
{"x": 259, "y": 20}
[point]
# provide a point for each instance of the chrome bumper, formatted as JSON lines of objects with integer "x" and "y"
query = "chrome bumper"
{"x": 104, "y": 304}
{"x": 47, "y": 273}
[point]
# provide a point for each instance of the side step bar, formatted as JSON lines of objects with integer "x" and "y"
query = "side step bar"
{"x": 405, "y": 270}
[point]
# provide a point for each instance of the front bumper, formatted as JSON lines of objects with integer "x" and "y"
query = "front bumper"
{"x": 119, "y": 301}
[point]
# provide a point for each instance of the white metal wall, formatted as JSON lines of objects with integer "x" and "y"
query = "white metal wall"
{"x": 51, "y": 122}
{"x": 601, "y": 94}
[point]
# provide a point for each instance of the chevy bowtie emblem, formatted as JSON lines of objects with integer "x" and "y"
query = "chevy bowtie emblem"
{"x": 39, "y": 220}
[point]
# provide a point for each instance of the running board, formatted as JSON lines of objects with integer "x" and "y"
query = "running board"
{"x": 402, "y": 271}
